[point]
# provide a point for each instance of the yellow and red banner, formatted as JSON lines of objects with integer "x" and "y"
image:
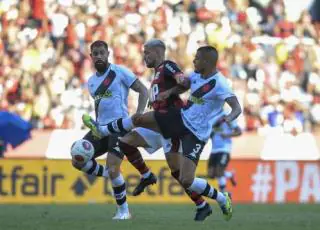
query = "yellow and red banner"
{"x": 56, "y": 181}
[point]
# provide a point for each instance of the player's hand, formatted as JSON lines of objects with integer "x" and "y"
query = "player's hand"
{"x": 219, "y": 122}
{"x": 224, "y": 135}
{"x": 183, "y": 80}
{"x": 163, "y": 95}
{"x": 149, "y": 105}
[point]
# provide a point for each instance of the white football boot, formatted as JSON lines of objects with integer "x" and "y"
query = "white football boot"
{"x": 122, "y": 215}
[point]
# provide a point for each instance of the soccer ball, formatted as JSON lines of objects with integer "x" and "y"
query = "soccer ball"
{"x": 82, "y": 151}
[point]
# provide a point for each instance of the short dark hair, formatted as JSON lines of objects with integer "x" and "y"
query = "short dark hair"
{"x": 98, "y": 43}
{"x": 155, "y": 43}
{"x": 212, "y": 51}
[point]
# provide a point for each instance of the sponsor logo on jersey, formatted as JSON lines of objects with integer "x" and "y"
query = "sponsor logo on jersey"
{"x": 196, "y": 100}
{"x": 106, "y": 94}
{"x": 169, "y": 67}
{"x": 157, "y": 75}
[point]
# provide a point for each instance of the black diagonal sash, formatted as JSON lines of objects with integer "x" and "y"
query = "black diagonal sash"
{"x": 103, "y": 87}
{"x": 199, "y": 93}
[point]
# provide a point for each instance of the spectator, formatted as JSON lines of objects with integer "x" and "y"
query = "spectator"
{"x": 270, "y": 57}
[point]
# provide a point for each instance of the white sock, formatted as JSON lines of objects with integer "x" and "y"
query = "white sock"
{"x": 201, "y": 205}
{"x": 103, "y": 129}
{"x": 222, "y": 181}
{"x": 124, "y": 207}
{"x": 221, "y": 199}
{"x": 87, "y": 166}
{"x": 147, "y": 174}
{"x": 106, "y": 173}
{"x": 228, "y": 174}
{"x": 198, "y": 185}
{"x": 127, "y": 123}
{"x": 95, "y": 172}
{"x": 117, "y": 181}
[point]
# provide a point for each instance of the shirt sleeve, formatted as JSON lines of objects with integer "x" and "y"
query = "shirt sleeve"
{"x": 128, "y": 78}
{"x": 223, "y": 90}
{"x": 234, "y": 124}
{"x": 171, "y": 69}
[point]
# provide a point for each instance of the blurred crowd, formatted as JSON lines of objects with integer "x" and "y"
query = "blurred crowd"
{"x": 269, "y": 51}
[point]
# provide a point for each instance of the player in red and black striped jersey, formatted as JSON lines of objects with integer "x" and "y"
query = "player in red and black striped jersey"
{"x": 161, "y": 99}
{"x": 164, "y": 80}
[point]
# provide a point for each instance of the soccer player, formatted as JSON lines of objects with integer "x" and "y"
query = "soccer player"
{"x": 221, "y": 139}
{"x": 193, "y": 123}
{"x": 109, "y": 87}
{"x": 161, "y": 99}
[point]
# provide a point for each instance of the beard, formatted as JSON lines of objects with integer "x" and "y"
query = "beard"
{"x": 149, "y": 64}
{"x": 100, "y": 66}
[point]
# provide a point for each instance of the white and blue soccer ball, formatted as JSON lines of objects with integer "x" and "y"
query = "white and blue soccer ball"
{"x": 82, "y": 151}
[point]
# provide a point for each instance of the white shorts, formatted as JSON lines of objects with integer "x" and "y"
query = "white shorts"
{"x": 155, "y": 141}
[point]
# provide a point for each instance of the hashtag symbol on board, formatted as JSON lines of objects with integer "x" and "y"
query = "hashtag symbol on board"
{"x": 261, "y": 183}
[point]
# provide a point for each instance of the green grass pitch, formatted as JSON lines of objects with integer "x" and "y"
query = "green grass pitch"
{"x": 153, "y": 217}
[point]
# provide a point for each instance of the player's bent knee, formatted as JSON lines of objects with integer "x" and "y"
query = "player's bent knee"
{"x": 219, "y": 172}
{"x": 136, "y": 120}
{"x": 211, "y": 174}
{"x": 186, "y": 182}
{"x": 132, "y": 139}
{"x": 127, "y": 139}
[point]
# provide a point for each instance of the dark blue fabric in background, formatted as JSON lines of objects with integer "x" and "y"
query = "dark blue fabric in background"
{"x": 13, "y": 129}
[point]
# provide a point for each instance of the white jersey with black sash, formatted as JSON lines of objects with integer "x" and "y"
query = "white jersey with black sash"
{"x": 110, "y": 93}
{"x": 205, "y": 103}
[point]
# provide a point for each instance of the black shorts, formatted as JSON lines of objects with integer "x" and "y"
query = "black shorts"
{"x": 109, "y": 144}
{"x": 170, "y": 123}
{"x": 171, "y": 126}
{"x": 219, "y": 159}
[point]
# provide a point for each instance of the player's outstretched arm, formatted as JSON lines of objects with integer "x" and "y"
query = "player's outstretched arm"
{"x": 235, "y": 109}
{"x": 235, "y": 133}
{"x": 183, "y": 81}
{"x": 173, "y": 91}
{"x": 140, "y": 88}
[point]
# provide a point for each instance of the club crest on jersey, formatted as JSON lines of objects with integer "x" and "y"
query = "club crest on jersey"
{"x": 206, "y": 88}
{"x": 106, "y": 81}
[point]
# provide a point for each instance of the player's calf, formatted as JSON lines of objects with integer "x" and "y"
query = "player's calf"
{"x": 196, "y": 198}
{"x": 135, "y": 158}
{"x": 222, "y": 181}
